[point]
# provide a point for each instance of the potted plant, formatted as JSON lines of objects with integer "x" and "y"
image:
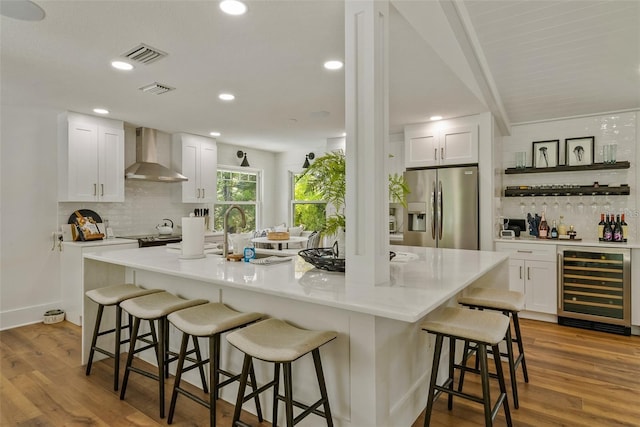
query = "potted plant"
{"x": 326, "y": 176}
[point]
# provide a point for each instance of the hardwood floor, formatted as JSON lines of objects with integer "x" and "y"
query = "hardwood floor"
{"x": 577, "y": 378}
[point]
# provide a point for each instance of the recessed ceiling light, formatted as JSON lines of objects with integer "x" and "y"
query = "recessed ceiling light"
{"x": 333, "y": 65}
{"x": 121, "y": 65}
{"x": 226, "y": 97}
{"x": 214, "y": 133}
{"x": 100, "y": 111}
{"x": 233, "y": 7}
{"x": 344, "y": 134}
{"x": 24, "y": 10}
{"x": 435, "y": 118}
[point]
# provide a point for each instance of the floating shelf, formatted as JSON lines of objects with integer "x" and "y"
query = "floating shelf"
{"x": 623, "y": 190}
{"x": 563, "y": 168}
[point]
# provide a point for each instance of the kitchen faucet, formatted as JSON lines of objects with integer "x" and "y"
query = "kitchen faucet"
{"x": 225, "y": 237}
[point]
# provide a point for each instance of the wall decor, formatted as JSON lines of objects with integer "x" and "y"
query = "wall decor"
{"x": 578, "y": 151}
{"x": 545, "y": 153}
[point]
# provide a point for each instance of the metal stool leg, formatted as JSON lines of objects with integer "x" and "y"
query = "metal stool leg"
{"x": 132, "y": 346}
{"x": 288, "y": 393}
{"x": 484, "y": 374}
{"x": 162, "y": 367}
{"x": 241, "y": 389}
{"x": 516, "y": 325}
{"x": 503, "y": 387}
{"x": 116, "y": 352}
{"x": 178, "y": 378}
{"x": 512, "y": 367}
{"x": 94, "y": 340}
{"x": 323, "y": 387}
{"x": 434, "y": 377}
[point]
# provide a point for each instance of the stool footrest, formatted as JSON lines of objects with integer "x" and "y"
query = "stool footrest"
{"x": 143, "y": 372}
{"x": 308, "y": 409}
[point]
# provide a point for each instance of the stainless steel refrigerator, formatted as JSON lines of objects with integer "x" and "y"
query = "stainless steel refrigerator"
{"x": 442, "y": 208}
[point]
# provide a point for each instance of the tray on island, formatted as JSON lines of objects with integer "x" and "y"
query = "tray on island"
{"x": 327, "y": 258}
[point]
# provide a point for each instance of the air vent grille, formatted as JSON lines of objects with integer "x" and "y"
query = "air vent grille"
{"x": 144, "y": 54}
{"x": 156, "y": 88}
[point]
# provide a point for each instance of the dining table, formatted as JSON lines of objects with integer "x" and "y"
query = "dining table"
{"x": 291, "y": 239}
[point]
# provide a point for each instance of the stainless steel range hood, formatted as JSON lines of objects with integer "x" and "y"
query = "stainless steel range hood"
{"x": 146, "y": 167}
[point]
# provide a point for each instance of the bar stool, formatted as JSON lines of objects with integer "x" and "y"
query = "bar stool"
{"x": 483, "y": 329}
{"x": 509, "y": 303}
{"x": 108, "y": 296}
{"x": 276, "y": 341}
{"x": 156, "y": 307}
{"x": 208, "y": 320}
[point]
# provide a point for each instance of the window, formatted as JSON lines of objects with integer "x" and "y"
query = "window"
{"x": 306, "y": 206}
{"x": 240, "y": 188}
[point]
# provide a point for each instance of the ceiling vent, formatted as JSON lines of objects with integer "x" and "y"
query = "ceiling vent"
{"x": 144, "y": 54}
{"x": 156, "y": 88}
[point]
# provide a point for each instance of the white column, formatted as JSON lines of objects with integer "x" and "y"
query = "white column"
{"x": 366, "y": 95}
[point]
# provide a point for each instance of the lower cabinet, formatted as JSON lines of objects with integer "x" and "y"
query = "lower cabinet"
{"x": 533, "y": 271}
{"x": 72, "y": 271}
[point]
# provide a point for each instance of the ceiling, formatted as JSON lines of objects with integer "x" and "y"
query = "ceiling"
{"x": 534, "y": 60}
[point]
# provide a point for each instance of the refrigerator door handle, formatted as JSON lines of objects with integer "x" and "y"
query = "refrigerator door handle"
{"x": 440, "y": 210}
{"x": 433, "y": 213}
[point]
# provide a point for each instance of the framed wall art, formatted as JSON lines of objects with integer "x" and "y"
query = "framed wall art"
{"x": 578, "y": 151}
{"x": 545, "y": 153}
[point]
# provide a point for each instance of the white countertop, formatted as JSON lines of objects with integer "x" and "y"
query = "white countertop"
{"x": 416, "y": 288}
{"x": 569, "y": 242}
{"x": 103, "y": 242}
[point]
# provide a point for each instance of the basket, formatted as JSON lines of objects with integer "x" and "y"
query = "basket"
{"x": 323, "y": 258}
{"x": 278, "y": 235}
{"x": 326, "y": 258}
{"x": 53, "y": 316}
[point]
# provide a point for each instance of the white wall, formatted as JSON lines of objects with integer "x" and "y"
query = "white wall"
{"x": 29, "y": 269}
{"x": 620, "y": 128}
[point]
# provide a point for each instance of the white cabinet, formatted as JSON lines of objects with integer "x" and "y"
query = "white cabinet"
{"x": 533, "y": 271}
{"x": 72, "y": 271}
{"x": 428, "y": 144}
{"x": 199, "y": 162}
{"x": 91, "y": 159}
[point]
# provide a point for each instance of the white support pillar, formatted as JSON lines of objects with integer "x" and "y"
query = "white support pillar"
{"x": 367, "y": 96}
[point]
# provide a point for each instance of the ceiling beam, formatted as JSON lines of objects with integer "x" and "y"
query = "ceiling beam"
{"x": 460, "y": 23}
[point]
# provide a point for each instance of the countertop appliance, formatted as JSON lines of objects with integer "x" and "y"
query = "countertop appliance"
{"x": 145, "y": 241}
{"x": 442, "y": 208}
{"x": 595, "y": 288}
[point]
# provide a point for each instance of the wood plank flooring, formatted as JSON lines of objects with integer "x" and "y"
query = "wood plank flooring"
{"x": 577, "y": 378}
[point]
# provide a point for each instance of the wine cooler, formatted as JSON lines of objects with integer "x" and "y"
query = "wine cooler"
{"x": 595, "y": 288}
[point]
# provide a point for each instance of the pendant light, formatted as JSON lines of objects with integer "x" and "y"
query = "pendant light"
{"x": 243, "y": 155}
{"x": 308, "y": 157}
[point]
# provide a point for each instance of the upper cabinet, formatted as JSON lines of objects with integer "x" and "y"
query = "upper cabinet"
{"x": 431, "y": 144}
{"x": 91, "y": 159}
{"x": 198, "y": 162}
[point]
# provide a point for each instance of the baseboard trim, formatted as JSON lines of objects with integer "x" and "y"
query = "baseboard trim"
{"x": 25, "y": 316}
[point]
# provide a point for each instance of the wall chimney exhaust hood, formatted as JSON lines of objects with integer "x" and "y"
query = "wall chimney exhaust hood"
{"x": 146, "y": 167}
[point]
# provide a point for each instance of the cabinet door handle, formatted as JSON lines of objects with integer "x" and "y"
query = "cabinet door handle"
{"x": 203, "y": 193}
{"x": 520, "y": 272}
{"x": 102, "y": 189}
{"x": 435, "y": 154}
{"x": 524, "y": 252}
{"x": 528, "y": 273}
{"x": 95, "y": 189}
{"x": 198, "y": 196}
{"x": 442, "y": 153}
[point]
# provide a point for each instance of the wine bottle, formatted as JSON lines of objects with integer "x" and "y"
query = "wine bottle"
{"x": 562, "y": 228}
{"x": 543, "y": 228}
{"x": 607, "y": 234}
{"x": 625, "y": 229}
{"x": 554, "y": 230}
{"x": 617, "y": 230}
{"x": 601, "y": 228}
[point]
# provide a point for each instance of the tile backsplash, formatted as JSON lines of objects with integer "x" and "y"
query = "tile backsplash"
{"x": 581, "y": 211}
{"x": 146, "y": 204}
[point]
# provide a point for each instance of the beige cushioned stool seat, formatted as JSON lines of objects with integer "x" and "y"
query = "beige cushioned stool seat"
{"x": 479, "y": 326}
{"x": 111, "y": 295}
{"x": 498, "y": 299}
{"x": 209, "y": 319}
{"x": 157, "y": 305}
{"x": 276, "y": 341}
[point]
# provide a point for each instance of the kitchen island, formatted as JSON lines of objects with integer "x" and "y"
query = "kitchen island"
{"x": 377, "y": 369}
